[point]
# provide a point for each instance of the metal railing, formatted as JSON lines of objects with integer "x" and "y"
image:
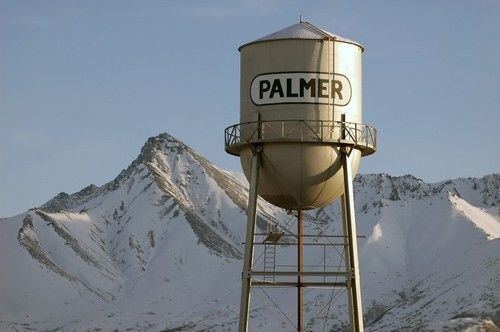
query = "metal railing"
{"x": 356, "y": 135}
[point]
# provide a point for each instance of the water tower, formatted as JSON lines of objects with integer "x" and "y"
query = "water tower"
{"x": 300, "y": 140}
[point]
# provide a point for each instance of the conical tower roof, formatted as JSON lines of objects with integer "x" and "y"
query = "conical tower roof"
{"x": 302, "y": 30}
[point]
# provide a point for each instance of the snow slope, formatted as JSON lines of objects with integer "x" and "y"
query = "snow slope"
{"x": 159, "y": 248}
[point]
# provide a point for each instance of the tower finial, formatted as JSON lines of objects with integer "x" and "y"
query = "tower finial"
{"x": 301, "y": 19}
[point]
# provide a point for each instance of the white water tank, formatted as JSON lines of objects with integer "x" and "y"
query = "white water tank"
{"x": 301, "y": 101}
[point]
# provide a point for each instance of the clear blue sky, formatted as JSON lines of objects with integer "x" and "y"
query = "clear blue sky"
{"x": 83, "y": 84}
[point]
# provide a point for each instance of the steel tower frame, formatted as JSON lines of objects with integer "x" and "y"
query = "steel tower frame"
{"x": 353, "y": 136}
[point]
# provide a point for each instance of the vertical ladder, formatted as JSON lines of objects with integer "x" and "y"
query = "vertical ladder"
{"x": 331, "y": 76}
{"x": 269, "y": 260}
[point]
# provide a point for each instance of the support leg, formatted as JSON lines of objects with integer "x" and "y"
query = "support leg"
{"x": 300, "y": 263}
{"x": 248, "y": 259}
{"x": 354, "y": 289}
{"x": 347, "y": 259}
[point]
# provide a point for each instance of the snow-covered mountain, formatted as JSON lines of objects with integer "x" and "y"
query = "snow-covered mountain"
{"x": 159, "y": 248}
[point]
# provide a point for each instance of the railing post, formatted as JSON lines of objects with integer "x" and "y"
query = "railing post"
{"x": 356, "y": 133}
{"x": 343, "y": 127}
{"x": 301, "y": 130}
{"x": 259, "y": 128}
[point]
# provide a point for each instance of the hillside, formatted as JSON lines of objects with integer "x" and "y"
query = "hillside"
{"x": 159, "y": 248}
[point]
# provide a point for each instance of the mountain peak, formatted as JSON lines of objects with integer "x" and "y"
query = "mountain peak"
{"x": 165, "y": 236}
{"x": 162, "y": 142}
